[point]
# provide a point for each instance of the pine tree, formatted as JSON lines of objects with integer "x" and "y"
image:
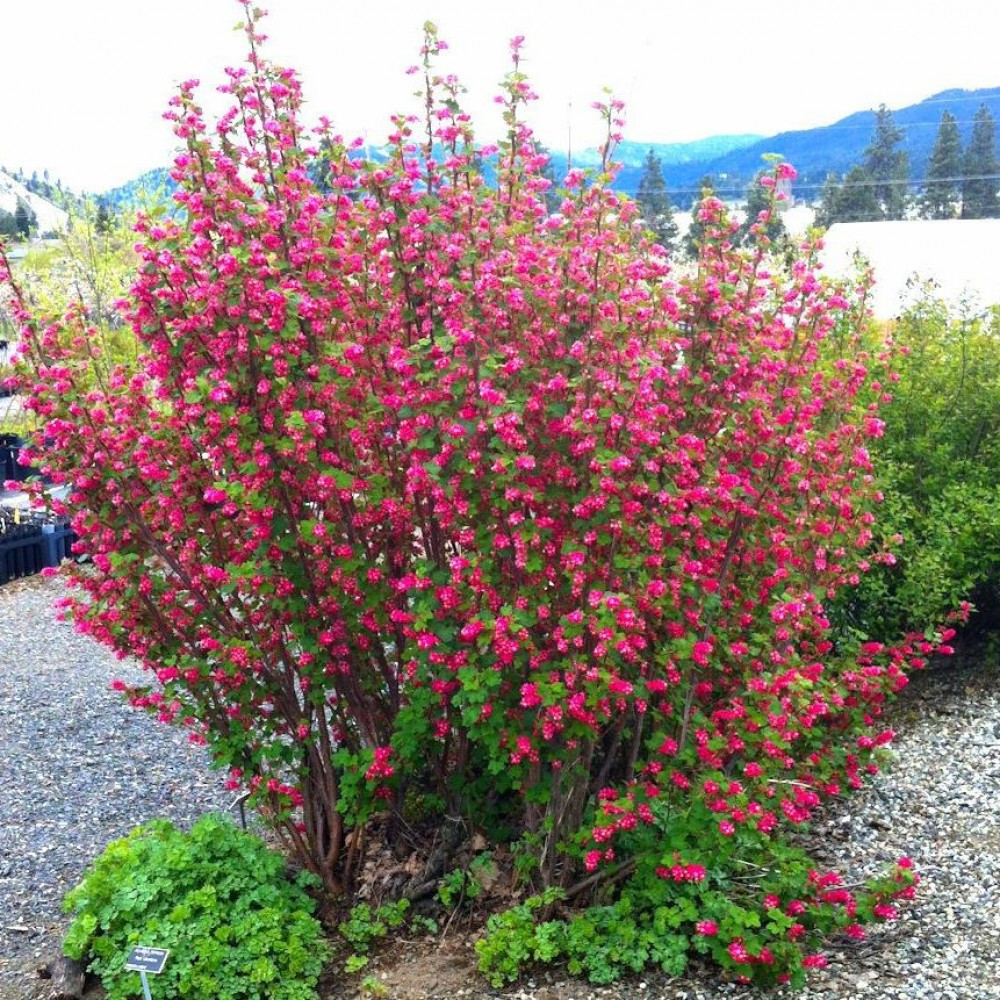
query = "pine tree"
{"x": 654, "y": 203}
{"x": 24, "y": 219}
{"x": 8, "y": 224}
{"x": 943, "y": 172}
{"x": 696, "y": 231}
{"x": 104, "y": 218}
{"x": 829, "y": 202}
{"x": 859, "y": 201}
{"x": 853, "y": 200}
{"x": 759, "y": 199}
{"x": 887, "y": 166}
{"x": 550, "y": 196}
{"x": 981, "y": 171}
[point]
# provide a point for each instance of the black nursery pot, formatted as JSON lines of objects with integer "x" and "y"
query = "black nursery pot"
{"x": 10, "y": 445}
{"x": 14, "y": 532}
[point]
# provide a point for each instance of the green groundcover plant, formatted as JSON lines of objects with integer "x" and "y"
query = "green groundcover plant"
{"x": 237, "y": 928}
{"x": 429, "y": 508}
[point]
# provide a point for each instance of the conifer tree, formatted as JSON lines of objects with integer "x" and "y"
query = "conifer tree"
{"x": 24, "y": 219}
{"x": 103, "y": 218}
{"x": 654, "y": 202}
{"x": 981, "y": 170}
{"x": 8, "y": 224}
{"x": 829, "y": 196}
{"x": 853, "y": 200}
{"x": 696, "y": 231}
{"x": 941, "y": 190}
{"x": 550, "y": 195}
{"x": 758, "y": 199}
{"x": 887, "y": 165}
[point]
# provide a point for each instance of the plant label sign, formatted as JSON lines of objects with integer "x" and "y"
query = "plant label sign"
{"x": 149, "y": 960}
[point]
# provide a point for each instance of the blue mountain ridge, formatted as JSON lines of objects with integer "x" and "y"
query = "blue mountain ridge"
{"x": 732, "y": 160}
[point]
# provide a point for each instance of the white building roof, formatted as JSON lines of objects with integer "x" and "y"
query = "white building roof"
{"x": 962, "y": 258}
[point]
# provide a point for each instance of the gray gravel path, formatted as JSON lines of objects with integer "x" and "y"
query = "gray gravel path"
{"x": 78, "y": 768}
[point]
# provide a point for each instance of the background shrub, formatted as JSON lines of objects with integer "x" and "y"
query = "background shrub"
{"x": 938, "y": 465}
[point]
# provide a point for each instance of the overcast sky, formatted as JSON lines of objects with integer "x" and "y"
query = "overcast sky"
{"x": 86, "y": 81}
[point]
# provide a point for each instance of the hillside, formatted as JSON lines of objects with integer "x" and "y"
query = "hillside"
{"x": 157, "y": 185}
{"x": 633, "y": 154}
{"x": 50, "y": 218}
{"x": 153, "y": 186}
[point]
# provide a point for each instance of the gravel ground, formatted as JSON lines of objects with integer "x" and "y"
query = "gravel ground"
{"x": 79, "y": 768}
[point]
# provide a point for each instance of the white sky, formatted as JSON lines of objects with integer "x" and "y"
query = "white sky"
{"x": 85, "y": 81}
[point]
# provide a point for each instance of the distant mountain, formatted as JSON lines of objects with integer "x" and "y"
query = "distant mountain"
{"x": 633, "y": 154}
{"x": 733, "y": 159}
{"x": 49, "y": 217}
{"x": 154, "y": 186}
{"x": 837, "y": 147}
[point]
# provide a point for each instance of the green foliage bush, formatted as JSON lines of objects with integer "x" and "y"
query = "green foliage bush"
{"x": 84, "y": 272}
{"x": 938, "y": 464}
{"x": 217, "y": 897}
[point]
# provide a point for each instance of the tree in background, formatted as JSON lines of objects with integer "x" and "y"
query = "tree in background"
{"x": 41, "y": 187}
{"x": 8, "y": 225}
{"x": 760, "y": 199}
{"x": 25, "y": 219}
{"x": 981, "y": 169}
{"x": 87, "y": 272}
{"x": 695, "y": 235}
{"x": 103, "y": 217}
{"x": 944, "y": 170}
{"x": 550, "y": 196}
{"x": 829, "y": 196}
{"x": 888, "y": 166}
{"x": 654, "y": 203}
{"x": 852, "y": 201}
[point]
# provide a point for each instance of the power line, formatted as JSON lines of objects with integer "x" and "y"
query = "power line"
{"x": 818, "y": 186}
{"x": 867, "y": 127}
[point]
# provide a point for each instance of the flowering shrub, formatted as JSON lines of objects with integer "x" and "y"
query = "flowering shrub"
{"x": 762, "y": 923}
{"x": 425, "y": 500}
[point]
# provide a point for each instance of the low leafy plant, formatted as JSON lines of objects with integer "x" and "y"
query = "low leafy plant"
{"x": 424, "y": 925}
{"x": 217, "y": 897}
{"x": 695, "y": 889}
{"x": 366, "y": 925}
{"x": 467, "y": 883}
{"x": 371, "y": 987}
{"x": 514, "y": 939}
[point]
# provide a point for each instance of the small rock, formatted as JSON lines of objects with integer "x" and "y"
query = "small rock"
{"x": 67, "y": 976}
